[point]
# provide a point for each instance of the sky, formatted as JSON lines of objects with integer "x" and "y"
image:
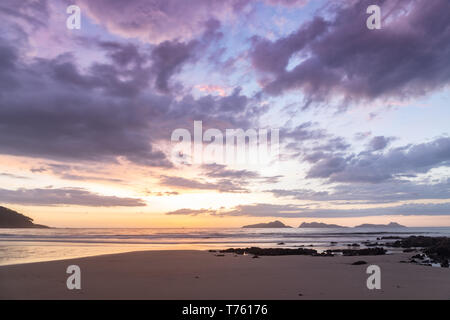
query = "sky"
{"x": 88, "y": 115}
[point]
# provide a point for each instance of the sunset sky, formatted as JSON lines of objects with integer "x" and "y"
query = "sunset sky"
{"x": 86, "y": 115}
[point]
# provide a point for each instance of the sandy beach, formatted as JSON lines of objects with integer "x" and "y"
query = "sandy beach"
{"x": 203, "y": 275}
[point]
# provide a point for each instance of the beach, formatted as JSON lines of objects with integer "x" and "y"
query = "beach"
{"x": 196, "y": 274}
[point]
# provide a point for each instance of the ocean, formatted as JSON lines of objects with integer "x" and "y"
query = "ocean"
{"x": 34, "y": 245}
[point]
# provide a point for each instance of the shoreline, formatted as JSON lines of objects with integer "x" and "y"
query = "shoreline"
{"x": 193, "y": 274}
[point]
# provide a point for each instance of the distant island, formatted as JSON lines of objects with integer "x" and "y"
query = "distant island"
{"x": 390, "y": 225}
{"x": 319, "y": 225}
{"x": 273, "y": 224}
{"x": 12, "y": 219}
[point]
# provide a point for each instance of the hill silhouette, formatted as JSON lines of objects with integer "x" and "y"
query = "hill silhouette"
{"x": 273, "y": 224}
{"x": 12, "y": 219}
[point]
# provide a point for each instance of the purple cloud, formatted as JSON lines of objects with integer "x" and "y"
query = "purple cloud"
{"x": 341, "y": 57}
{"x": 157, "y": 21}
{"x": 375, "y": 167}
{"x": 65, "y": 196}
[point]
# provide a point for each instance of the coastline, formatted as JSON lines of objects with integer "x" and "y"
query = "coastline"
{"x": 190, "y": 274}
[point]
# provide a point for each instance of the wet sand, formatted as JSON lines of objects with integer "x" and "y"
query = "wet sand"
{"x": 203, "y": 275}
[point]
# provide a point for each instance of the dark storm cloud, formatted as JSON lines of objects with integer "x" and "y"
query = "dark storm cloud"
{"x": 50, "y": 108}
{"x": 116, "y": 107}
{"x": 65, "y": 196}
{"x": 341, "y": 56}
{"x": 55, "y": 111}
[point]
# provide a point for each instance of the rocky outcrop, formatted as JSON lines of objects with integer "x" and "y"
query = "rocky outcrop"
{"x": 12, "y": 219}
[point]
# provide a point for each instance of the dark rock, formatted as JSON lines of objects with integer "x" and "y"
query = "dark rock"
{"x": 360, "y": 262}
{"x": 271, "y": 251}
{"x": 360, "y": 252}
{"x": 436, "y": 248}
{"x": 280, "y": 243}
{"x": 326, "y": 254}
{"x": 372, "y": 244}
{"x": 364, "y": 252}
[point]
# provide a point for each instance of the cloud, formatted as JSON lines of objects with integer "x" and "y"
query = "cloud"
{"x": 169, "y": 56}
{"x": 157, "y": 21}
{"x": 77, "y": 173}
{"x": 106, "y": 111}
{"x": 305, "y": 131}
{"x": 190, "y": 212}
{"x": 379, "y": 143}
{"x": 293, "y": 211}
{"x": 371, "y": 193}
{"x": 312, "y": 143}
{"x": 65, "y": 196}
{"x": 221, "y": 185}
{"x": 34, "y": 13}
{"x": 288, "y": 3}
{"x": 54, "y": 111}
{"x": 341, "y": 57}
{"x": 219, "y": 178}
{"x": 376, "y": 167}
{"x": 10, "y": 175}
